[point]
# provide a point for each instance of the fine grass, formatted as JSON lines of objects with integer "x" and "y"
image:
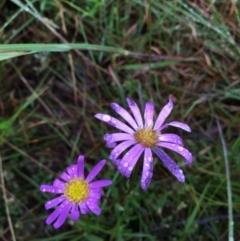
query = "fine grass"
{"x": 64, "y": 61}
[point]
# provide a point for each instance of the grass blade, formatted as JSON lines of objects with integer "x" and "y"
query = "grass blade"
{"x": 229, "y": 191}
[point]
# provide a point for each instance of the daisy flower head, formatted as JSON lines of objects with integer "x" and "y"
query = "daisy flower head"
{"x": 144, "y": 136}
{"x": 78, "y": 195}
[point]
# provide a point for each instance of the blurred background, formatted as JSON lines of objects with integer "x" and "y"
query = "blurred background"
{"x": 48, "y": 97}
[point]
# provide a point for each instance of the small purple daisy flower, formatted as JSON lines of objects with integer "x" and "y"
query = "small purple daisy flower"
{"x": 144, "y": 137}
{"x": 78, "y": 194}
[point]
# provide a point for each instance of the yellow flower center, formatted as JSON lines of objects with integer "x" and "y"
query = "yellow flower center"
{"x": 147, "y": 137}
{"x": 77, "y": 190}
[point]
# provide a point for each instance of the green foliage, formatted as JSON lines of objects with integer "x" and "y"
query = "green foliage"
{"x": 64, "y": 61}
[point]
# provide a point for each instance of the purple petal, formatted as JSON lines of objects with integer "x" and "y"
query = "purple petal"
{"x": 75, "y": 213}
{"x": 62, "y": 217}
{"x": 147, "y": 169}
{"x": 51, "y": 189}
{"x": 93, "y": 207}
{"x": 80, "y": 167}
{"x": 56, "y": 213}
{"x": 148, "y": 114}
{"x": 111, "y": 144}
{"x": 116, "y": 161}
{"x": 72, "y": 171}
{"x": 93, "y": 173}
{"x": 58, "y": 183}
{"x": 95, "y": 194}
{"x": 179, "y": 149}
{"x": 124, "y": 114}
{"x": 53, "y": 215}
{"x": 173, "y": 138}
{"x": 114, "y": 122}
{"x": 100, "y": 184}
{"x": 54, "y": 202}
{"x": 64, "y": 176}
{"x": 170, "y": 164}
{"x": 120, "y": 149}
{"x": 93, "y": 201}
{"x": 129, "y": 160}
{"x": 136, "y": 112}
{"x": 166, "y": 110}
{"x": 83, "y": 208}
{"x": 96, "y": 191}
{"x": 176, "y": 124}
{"x": 118, "y": 137}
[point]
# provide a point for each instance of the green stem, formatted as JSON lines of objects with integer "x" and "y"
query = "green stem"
{"x": 132, "y": 182}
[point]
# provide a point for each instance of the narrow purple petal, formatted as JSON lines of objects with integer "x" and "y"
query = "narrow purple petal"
{"x": 100, "y": 184}
{"x": 95, "y": 194}
{"x": 84, "y": 208}
{"x": 179, "y": 149}
{"x": 114, "y": 122}
{"x": 124, "y": 114}
{"x": 120, "y": 149}
{"x": 129, "y": 160}
{"x": 118, "y": 137}
{"x": 170, "y": 164}
{"x": 64, "y": 176}
{"x": 72, "y": 171}
{"x": 177, "y": 124}
{"x": 54, "y": 202}
{"x": 173, "y": 138}
{"x": 166, "y": 110}
{"x": 62, "y": 217}
{"x": 75, "y": 213}
{"x": 96, "y": 169}
{"x": 80, "y": 167}
{"x": 58, "y": 183}
{"x": 136, "y": 112}
{"x": 111, "y": 144}
{"x": 116, "y": 161}
{"x": 51, "y": 189}
{"x": 111, "y": 139}
{"x": 148, "y": 114}
{"x": 93, "y": 207}
{"x": 96, "y": 191}
{"x": 94, "y": 200}
{"x": 53, "y": 215}
{"x": 147, "y": 169}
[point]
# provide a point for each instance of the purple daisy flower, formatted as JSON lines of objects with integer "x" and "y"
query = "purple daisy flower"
{"x": 144, "y": 137}
{"x": 78, "y": 195}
